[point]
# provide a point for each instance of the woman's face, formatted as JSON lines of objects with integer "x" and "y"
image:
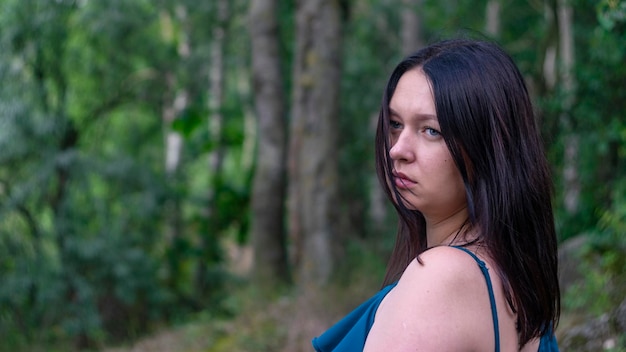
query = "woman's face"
{"x": 424, "y": 172}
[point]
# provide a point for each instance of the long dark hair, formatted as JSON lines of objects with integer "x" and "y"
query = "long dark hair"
{"x": 488, "y": 123}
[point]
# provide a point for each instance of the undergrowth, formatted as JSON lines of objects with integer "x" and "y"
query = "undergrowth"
{"x": 282, "y": 319}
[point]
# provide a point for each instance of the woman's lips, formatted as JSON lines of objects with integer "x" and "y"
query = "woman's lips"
{"x": 402, "y": 181}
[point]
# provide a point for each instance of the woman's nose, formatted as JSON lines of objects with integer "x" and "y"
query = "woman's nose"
{"x": 402, "y": 149}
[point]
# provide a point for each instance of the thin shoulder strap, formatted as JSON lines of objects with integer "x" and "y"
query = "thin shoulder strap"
{"x": 492, "y": 299}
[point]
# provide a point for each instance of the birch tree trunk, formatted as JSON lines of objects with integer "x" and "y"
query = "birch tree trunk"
{"x": 178, "y": 100}
{"x": 313, "y": 153}
{"x": 173, "y": 139}
{"x": 268, "y": 230}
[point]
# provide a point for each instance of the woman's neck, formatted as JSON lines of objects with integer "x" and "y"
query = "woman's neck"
{"x": 446, "y": 231}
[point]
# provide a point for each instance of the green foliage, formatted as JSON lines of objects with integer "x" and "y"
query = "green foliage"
{"x": 595, "y": 118}
{"x": 603, "y": 263}
{"x": 611, "y": 13}
{"x": 97, "y": 242}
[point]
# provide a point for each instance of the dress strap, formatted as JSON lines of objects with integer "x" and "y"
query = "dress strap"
{"x": 492, "y": 299}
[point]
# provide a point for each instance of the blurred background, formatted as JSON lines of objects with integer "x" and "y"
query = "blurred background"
{"x": 199, "y": 175}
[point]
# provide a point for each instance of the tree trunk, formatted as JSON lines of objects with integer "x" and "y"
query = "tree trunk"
{"x": 216, "y": 87}
{"x": 173, "y": 139}
{"x": 492, "y": 18}
{"x": 313, "y": 151}
{"x": 269, "y": 186}
{"x": 544, "y": 77}
{"x": 571, "y": 179}
{"x": 209, "y": 246}
{"x": 176, "y": 101}
{"x": 411, "y": 30}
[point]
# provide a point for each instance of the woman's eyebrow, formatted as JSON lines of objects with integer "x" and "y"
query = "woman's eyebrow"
{"x": 393, "y": 113}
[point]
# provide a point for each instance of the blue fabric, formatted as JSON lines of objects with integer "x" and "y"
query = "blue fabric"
{"x": 548, "y": 343}
{"x": 350, "y": 333}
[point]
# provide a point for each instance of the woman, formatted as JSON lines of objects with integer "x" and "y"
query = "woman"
{"x": 474, "y": 266}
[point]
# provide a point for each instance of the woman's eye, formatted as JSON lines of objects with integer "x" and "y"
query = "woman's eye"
{"x": 395, "y": 124}
{"x": 432, "y": 132}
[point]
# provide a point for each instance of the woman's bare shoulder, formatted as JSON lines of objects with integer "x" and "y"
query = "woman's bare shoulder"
{"x": 450, "y": 267}
{"x": 434, "y": 305}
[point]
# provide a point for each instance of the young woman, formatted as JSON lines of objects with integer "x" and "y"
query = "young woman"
{"x": 474, "y": 266}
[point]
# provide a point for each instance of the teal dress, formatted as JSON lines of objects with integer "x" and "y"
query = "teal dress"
{"x": 350, "y": 333}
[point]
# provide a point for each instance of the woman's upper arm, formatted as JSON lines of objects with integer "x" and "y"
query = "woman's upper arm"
{"x": 435, "y": 306}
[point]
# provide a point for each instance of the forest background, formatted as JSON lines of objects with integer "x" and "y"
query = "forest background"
{"x": 202, "y": 171}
